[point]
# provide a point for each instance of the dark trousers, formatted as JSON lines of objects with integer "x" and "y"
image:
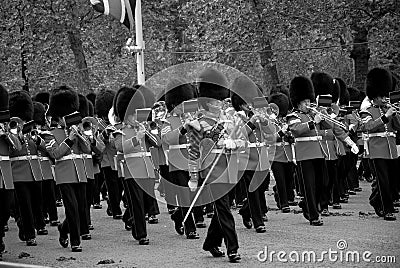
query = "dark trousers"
{"x": 49, "y": 200}
{"x": 312, "y": 177}
{"x": 136, "y": 207}
{"x": 381, "y": 196}
{"x": 150, "y": 202}
{"x": 98, "y": 182}
{"x": 114, "y": 187}
{"x": 222, "y": 226}
{"x": 252, "y": 207}
{"x": 5, "y": 198}
{"x": 168, "y": 186}
{"x": 283, "y": 173}
{"x": 89, "y": 198}
{"x": 342, "y": 172}
{"x": 29, "y": 196}
{"x": 352, "y": 176}
{"x": 75, "y": 223}
{"x": 331, "y": 188}
{"x": 181, "y": 178}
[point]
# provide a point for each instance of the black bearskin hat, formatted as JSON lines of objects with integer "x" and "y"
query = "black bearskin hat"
{"x": 42, "y": 97}
{"x": 104, "y": 102}
{"x": 213, "y": 84}
{"x": 127, "y": 100}
{"x": 344, "y": 96}
{"x": 91, "y": 97}
{"x": 301, "y": 88}
{"x": 148, "y": 95}
{"x": 378, "y": 83}
{"x": 63, "y": 101}
{"x": 39, "y": 112}
{"x": 83, "y": 106}
{"x": 323, "y": 84}
{"x": 91, "y": 108}
{"x": 282, "y": 101}
{"x": 21, "y": 105}
{"x": 4, "y": 112}
{"x": 178, "y": 91}
{"x": 243, "y": 91}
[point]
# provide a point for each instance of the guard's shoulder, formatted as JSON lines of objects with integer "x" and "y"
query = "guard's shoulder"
{"x": 293, "y": 114}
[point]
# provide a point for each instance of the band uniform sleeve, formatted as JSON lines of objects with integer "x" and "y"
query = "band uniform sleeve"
{"x": 55, "y": 150}
{"x": 369, "y": 124}
{"x": 297, "y": 127}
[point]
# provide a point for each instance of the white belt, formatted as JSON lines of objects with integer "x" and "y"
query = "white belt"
{"x": 70, "y": 157}
{"x": 179, "y": 146}
{"x": 6, "y": 157}
{"x": 44, "y": 158}
{"x": 87, "y": 156}
{"x": 382, "y": 134}
{"x": 313, "y": 138}
{"x": 281, "y": 143}
{"x": 217, "y": 151}
{"x": 24, "y": 158}
{"x": 139, "y": 154}
{"x": 256, "y": 145}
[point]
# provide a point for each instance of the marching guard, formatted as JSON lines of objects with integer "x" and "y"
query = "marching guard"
{"x": 7, "y": 141}
{"x": 66, "y": 146}
{"x": 380, "y": 121}
{"x": 26, "y": 171}
{"x": 214, "y": 165}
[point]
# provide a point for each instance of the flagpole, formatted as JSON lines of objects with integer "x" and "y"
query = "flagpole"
{"x": 139, "y": 43}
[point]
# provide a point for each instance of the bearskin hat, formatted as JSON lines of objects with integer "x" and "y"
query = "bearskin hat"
{"x": 42, "y": 97}
{"x": 104, "y": 102}
{"x": 378, "y": 83}
{"x": 21, "y": 105}
{"x": 243, "y": 91}
{"x": 282, "y": 101}
{"x": 91, "y": 97}
{"x": 63, "y": 101}
{"x": 127, "y": 100}
{"x": 323, "y": 84}
{"x": 213, "y": 84}
{"x": 301, "y": 88}
{"x": 39, "y": 112}
{"x": 148, "y": 94}
{"x": 83, "y": 105}
{"x": 91, "y": 108}
{"x": 4, "y": 112}
{"x": 344, "y": 96}
{"x": 178, "y": 91}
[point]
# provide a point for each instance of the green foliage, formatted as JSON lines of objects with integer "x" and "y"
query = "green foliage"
{"x": 231, "y": 32}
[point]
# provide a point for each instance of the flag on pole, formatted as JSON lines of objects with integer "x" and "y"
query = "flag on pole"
{"x": 122, "y": 10}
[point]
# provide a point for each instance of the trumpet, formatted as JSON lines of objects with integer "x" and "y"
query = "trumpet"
{"x": 326, "y": 117}
{"x": 15, "y": 125}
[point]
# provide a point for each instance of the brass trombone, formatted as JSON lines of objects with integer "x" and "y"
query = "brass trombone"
{"x": 326, "y": 117}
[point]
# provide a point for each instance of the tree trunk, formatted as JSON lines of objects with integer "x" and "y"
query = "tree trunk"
{"x": 75, "y": 41}
{"x": 80, "y": 60}
{"x": 360, "y": 55}
{"x": 24, "y": 57}
{"x": 268, "y": 62}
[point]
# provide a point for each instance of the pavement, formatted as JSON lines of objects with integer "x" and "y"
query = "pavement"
{"x": 354, "y": 231}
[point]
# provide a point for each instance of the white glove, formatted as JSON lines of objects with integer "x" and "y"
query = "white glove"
{"x": 230, "y": 144}
{"x": 317, "y": 119}
{"x": 192, "y": 185}
{"x": 284, "y": 127}
{"x": 195, "y": 124}
{"x": 95, "y": 2}
{"x": 350, "y": 143}
{"x": 354, "y": 149}
{"x": 140, "y": 135}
